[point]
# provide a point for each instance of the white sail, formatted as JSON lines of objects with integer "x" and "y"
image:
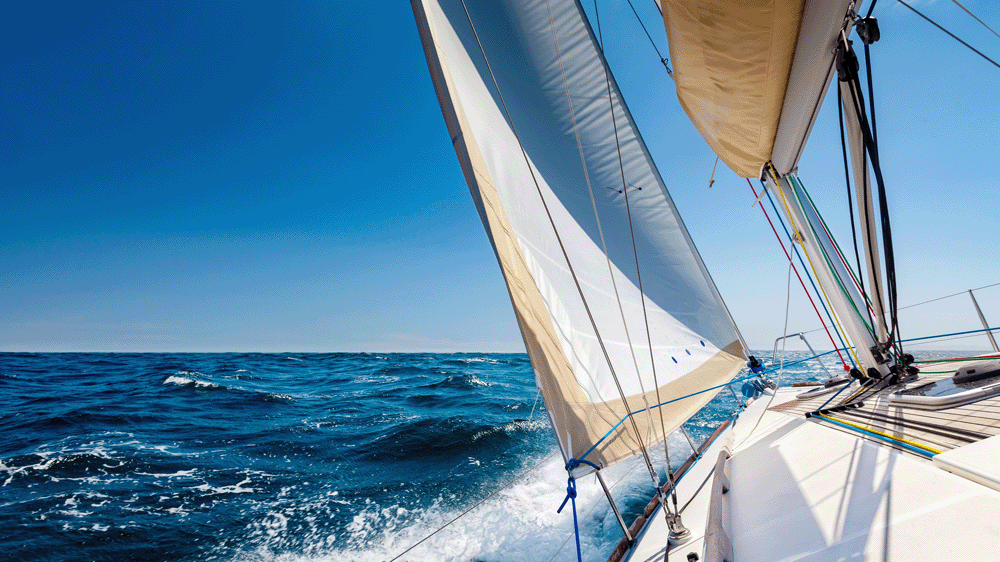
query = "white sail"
{"x": 579, "y": 219}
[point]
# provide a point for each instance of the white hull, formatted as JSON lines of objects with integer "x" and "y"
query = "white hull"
{"x": 802, "y": 489}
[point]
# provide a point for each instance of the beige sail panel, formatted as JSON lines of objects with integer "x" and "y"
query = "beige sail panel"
{"x": 717, "y": 370}
{"x": 530, "y": 188}
{"x": 582, "y": 421}
{"x": 731, "y": 62}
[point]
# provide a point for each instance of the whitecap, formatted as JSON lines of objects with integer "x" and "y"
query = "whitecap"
{"x": 234, "y": 489}
{"x": 184, "y": 381}
{"x": 476, "y": 381}
{"x": 178, "y": 474}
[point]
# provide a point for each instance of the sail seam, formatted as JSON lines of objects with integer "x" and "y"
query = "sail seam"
{"x": 548, "y": 214}
{"x": 590, "y": 190}
{"x": 638, "y": 274}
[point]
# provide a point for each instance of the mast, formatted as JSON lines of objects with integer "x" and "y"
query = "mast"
{"x": 754, "y": 94}
{"x": 823, "y": 35}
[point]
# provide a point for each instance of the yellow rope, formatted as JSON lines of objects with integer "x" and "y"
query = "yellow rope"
{"x": 853, "y": 395}
{"x": 795, "y": 229}
{"x": 886, "y": 435}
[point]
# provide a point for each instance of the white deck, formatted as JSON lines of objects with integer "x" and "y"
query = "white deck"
{"x": 803, "y": 490}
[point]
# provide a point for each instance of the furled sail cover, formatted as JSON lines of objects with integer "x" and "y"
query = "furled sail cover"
{"x": 732, "y": 60}
{"x": 552, "y": 80}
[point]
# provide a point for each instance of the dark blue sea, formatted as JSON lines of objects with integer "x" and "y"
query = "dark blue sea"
{"x": 296, "y": 457}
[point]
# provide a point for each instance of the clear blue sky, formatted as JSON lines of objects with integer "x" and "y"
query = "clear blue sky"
{"x": 228, "y": 176}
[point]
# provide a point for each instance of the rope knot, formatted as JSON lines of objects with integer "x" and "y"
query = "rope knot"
{"x": 572, "y": 464}
{"x": 570, "y": 495}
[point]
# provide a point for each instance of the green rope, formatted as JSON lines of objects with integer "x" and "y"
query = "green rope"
{"x": 955, "y": 359}
{"x": 854, "y": 276}
{"x": 829, "y": 264}
{"x": 801, "y": 186}
{"x": 894, "y": 351}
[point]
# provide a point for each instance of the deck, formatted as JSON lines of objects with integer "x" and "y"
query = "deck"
{"x": 809, "y": 489}
{"x": 937, "y": 431}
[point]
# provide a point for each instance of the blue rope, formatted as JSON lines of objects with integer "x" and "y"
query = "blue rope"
{"x": 953, "y": 334}
{"x": 774, "y": 368}
{"x": 606, "y": 435}
{"x": 571, "y": 496}
{"x": 806, "y": 269}
{"x": 830, "y": 399}
{"x": 877, "y": 436}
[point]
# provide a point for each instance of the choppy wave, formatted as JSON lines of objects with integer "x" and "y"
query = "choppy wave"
{"x": 181, "y": 380}
{"x": 294, "y": 457}
{"x": 198, "y": 381}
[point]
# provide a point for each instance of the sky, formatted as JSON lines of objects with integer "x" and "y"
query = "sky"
{"x": 232, "y": 176}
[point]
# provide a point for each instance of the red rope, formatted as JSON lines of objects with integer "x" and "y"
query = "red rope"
{"x": 843, "y": 260}
{"x": 809, "y": 296}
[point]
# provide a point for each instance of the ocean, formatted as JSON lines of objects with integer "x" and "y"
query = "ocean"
{"x": 298, "y": 457}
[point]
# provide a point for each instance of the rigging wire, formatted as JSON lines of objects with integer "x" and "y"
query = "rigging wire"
{"x": 864, "y": 208}
{"x": 655, "y": 48}
{"x": 593, "y": 202}
{"x": 850, "y": 76}
{"x": 555, "y": 231}
{"x": 949, "y": 296}
{"x": 584, "y": 518}
{"x": 837, "y": 250}
{"x": 864, "y": 204}
{"x": 638, "y": 274}
{"x": 956, "y": 359}
{"x": 532, "y": 414}
{"x": 943, "y": 339}
{"x": 953, "y": 36}
{"x": 625, "y": 184}
{"x": 871, "y": 92}
{"x": 781, "y": 369}
{"x": 788, "y": 212}
{"x": 850, "y": 206}
{"x": 870, "y": 8}
{"x": 824, "y": 326}
{"x": 799, "y": 187}
{"x": 805, "y": 268}
{"x": 976, "y": 18}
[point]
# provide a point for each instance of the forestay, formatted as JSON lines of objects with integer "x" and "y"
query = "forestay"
{"x": 565, "y": 186}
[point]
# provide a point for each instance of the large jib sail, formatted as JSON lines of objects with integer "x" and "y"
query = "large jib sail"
{"x": 579, "y": 219}
{"x": 752, "y": 75}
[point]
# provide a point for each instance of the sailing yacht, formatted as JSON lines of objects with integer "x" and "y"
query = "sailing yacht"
{"x": 628, "y": 334}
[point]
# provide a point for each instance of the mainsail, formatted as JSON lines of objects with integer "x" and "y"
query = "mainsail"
{"x": 752, "y": 76}
{"x": 580, "y": 220}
